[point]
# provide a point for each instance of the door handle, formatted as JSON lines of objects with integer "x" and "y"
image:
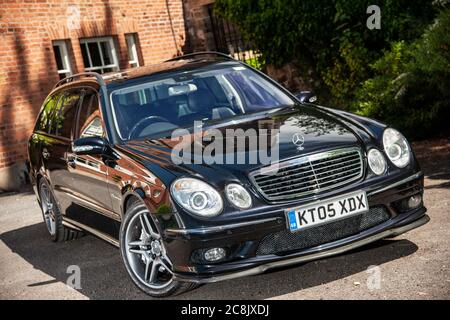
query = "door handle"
{"x": 45, "y": 153}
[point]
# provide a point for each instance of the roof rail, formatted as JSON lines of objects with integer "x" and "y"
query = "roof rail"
{"x": 74, "y": 77}
{"x": 202, "y": 53}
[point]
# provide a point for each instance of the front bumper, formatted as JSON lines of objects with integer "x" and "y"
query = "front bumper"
{"x": 243, "y": 238}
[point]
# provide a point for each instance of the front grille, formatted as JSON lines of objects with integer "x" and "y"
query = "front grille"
{"x": 285, "y": 241}
{"x": 309, "y": 174}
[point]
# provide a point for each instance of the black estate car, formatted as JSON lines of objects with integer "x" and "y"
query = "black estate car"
{"x": 102, "y": 161}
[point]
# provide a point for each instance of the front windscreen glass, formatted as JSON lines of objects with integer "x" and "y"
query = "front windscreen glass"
{"x": 213, "y": 93}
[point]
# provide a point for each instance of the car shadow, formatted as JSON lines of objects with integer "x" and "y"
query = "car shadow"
{"x": 104, "y": 277}
{"x": 296, "y": 278}
{"x": 25, "y": 190}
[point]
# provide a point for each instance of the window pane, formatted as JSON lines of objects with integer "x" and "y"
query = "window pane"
{"x": 101, "y": 54}
{"x": 106, "y": 49}
{"x": 130, "y": 43}
{"x": 67, "y": 114}
{"x": 93, "y": 128}
{"x": 58, "y": 57}
{"x": 90, "y": 120}
{"x": 95, "y": 54}
{"x": 44, "y": 118}
{"x": 132, "y": 50}
{"x": 55, "y": 123}
{"x": 85, "y": 56}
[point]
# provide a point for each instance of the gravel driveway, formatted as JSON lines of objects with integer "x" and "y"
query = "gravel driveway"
{"x": 415, "y": 265}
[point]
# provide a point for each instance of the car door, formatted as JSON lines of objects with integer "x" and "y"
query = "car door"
{"x": 91, "y": 204}
{"x": 57, "y": 142}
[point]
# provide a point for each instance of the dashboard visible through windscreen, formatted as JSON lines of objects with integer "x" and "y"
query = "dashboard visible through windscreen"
{"x": 218, "y": 91}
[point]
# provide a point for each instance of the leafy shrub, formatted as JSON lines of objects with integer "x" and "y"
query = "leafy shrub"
{"x": 411, "y": 86}
{"x": 328, "y": 37}
{"x": 399, "y": 74}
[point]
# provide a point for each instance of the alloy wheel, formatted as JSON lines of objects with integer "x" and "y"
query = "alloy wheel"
{"x": 47, "y": 206}
{"x": 145, "y": 252}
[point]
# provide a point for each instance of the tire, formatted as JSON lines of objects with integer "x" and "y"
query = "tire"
{"x": 52, "y": 215}
{"x": 143, "y": 251}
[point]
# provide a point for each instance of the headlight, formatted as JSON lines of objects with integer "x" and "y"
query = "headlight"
{"x": 197, "y": 197}
{"x": 396, "y": 147}
{"x": 376, "y": 160}
{"x": 238, "y": 196}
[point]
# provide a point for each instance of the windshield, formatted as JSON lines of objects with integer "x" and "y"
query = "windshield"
{"x": 216, "y": 92}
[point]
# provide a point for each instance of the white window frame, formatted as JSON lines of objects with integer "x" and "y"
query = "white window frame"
{"x": 63, "y": 52}
{"x": 114, "y": 66}
{"x": 132, "y": 50}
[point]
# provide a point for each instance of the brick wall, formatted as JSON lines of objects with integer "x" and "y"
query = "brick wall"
{"x": 27, "y": 65}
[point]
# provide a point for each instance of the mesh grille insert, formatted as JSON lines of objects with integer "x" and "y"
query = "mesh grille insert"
{"x": 285, "y": 241}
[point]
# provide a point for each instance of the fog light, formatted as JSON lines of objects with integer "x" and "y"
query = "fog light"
{"x": 214, "y": 254}
{"x": 410, "y": 203}
{"x": 414, "y": 201}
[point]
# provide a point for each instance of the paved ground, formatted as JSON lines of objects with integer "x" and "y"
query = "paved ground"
{"x": 415, "y": 265}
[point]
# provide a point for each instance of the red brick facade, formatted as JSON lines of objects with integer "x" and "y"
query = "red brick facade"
{"x": 27, "y": 64}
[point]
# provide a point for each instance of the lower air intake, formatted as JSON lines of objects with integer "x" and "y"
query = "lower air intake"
{"x": 285, "y": 241}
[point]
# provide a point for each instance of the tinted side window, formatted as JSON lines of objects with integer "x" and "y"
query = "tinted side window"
{"x": 44, "y": 120}
{"x": 90, "y": 123}
{"x": 65, "y": 113}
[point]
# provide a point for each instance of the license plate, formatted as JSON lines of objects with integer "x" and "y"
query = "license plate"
{"x": 327, "y": 211}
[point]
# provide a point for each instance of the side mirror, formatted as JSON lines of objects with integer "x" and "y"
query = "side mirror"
{"x": 90, "y": 146}
{"x": 306, "y": 96}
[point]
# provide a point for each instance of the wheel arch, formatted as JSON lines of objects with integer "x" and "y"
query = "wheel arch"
{"x": 129, "y": 195}
{"x": 158, "y": 205}
{"x": 39, "y": 176}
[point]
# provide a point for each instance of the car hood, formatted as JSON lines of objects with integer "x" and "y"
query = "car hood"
{"x": 299, "y": 130}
